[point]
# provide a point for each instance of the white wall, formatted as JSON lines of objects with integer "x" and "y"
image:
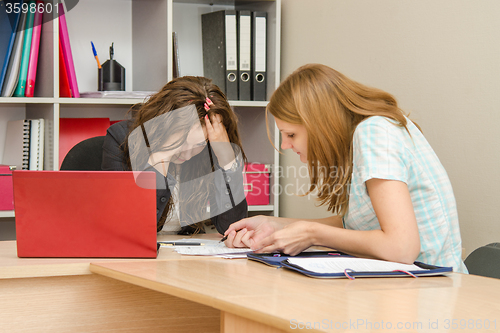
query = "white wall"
{"x": 441, "y": 59}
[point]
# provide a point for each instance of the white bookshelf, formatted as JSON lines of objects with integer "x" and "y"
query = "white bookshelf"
{"x": 142, "y": 35}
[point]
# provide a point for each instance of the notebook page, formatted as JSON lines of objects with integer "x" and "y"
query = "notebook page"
{"x": 340, "y": 264}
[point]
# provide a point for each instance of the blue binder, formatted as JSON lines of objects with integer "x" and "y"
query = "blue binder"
{"x": 282, "y": 260}
{"x": 8, "y": 29}
{"x": 276, "y": 259}
{"x": 14, "y": 63}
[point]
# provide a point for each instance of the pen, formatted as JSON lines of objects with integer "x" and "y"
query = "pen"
{"x": 225, "y": 237}
{"x": 95, "y": 55}
{"x": 181, "y": 243}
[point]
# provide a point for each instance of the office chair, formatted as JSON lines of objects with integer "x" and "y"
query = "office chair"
{"x": 485, "y": 261}
{"x": 85, "y": 155}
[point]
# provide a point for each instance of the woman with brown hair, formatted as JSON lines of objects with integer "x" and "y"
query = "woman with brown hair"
{"x": 187, "y": 134}
{"x": 389, "y": 195}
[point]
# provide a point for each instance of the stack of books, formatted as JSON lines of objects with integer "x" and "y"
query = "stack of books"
{"x": 19, "y": 45}
{"x": 20, "y": 31}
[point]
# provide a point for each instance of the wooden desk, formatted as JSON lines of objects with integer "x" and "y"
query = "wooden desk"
{"x": 13, "y": 267}
{"x": 193, "y": 294}
{"x": 253, "y": 297}
{"x": 62, "y": 295}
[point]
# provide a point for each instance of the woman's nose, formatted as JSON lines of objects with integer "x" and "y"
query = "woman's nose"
{"x": 285, "y": 143}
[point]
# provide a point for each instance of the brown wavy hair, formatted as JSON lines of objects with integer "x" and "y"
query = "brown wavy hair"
{"x": 178, "y": 93}
{"x": 330, "y": 106}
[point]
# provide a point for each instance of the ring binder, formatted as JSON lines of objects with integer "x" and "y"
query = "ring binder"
{"x": 12, "y": 75}
{"x": 36, "y": 143}
{"x": 25, "y": 58}
{"x": 17, "y": 144}
{"x": 245, "y": 55}
{"x": 33, "y": 58}
{"x": 220, "y": 52}
{"x": 259, "y": 30}
{"x": 8, "y": 32}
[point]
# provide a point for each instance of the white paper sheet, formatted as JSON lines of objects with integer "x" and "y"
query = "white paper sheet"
{"x": 210, "y": 248}
{"x": 340, "y": 264}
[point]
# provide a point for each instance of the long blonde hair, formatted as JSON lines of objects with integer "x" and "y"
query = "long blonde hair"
{"x": 330, "y": 106}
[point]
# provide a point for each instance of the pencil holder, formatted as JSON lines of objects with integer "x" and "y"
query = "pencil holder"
{"x": 100, "y": 82}
{"x": 111, "y": 77}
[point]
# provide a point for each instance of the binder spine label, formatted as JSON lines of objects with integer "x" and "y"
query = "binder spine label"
{"x": 231, "y": 44}
{"x": 260, "y": 45}
{"x": 245, "y": 42}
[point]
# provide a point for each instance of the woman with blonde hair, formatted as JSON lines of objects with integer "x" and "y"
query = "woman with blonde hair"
{"x": 389, "y": 195}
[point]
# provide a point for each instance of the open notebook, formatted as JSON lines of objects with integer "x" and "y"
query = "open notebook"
{"x": 332, "y": 264}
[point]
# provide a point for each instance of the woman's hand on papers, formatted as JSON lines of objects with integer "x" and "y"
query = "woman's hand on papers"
{"x": 250, "y": 231}
{"x": 292, "y": 239}
{"x": 267, "y": 234}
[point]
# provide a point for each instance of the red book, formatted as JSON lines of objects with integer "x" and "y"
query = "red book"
{"x": 64, "y": 90}
{"x": 75, "y": 130}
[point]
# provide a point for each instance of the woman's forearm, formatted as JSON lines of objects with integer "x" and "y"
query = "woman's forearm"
{"x": 369, "y": 244}
{"x": 334, "y": 221}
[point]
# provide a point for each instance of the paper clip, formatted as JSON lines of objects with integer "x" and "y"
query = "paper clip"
{"x": 347, "y": 274}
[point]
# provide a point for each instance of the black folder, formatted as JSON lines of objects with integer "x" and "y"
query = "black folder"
{"x": 259, "y": 55}
{"x": 244, "y": 55}
{"x": 220, "y": 50}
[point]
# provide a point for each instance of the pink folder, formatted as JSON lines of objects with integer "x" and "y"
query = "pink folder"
{"x": 68, "y": 57}
{"x": 35, "y": 45}
{"x": 6, "y": 191}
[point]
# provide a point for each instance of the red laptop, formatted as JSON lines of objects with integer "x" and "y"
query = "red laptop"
{"x": 91, "y": 214}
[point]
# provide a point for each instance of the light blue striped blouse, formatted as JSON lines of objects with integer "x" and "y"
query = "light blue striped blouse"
{"x": 381, "y": 149}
